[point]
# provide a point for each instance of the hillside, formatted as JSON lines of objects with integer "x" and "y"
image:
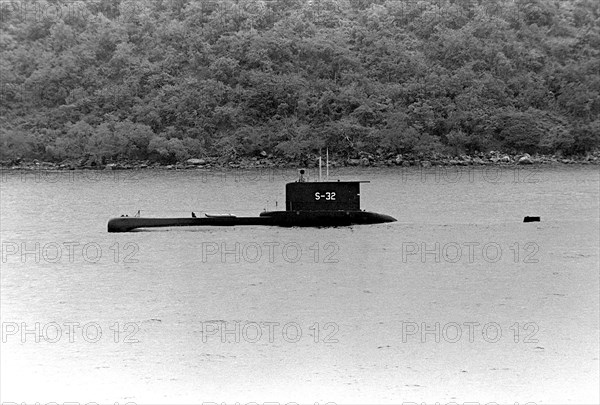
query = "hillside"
{"x": 168, "y": 80}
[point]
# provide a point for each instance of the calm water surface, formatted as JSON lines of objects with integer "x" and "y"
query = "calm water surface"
{"x": 379, "y": 313}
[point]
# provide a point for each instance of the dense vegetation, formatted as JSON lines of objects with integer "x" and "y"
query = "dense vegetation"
{"x": 170, "y": 79}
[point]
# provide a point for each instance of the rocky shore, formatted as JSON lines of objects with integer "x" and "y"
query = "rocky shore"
{"x": 267, "y": 160}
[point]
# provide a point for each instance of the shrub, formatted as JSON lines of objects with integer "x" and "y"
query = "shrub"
{"x": 17, "y": 143}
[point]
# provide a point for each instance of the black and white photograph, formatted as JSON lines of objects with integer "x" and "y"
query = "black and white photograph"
{"x": 300, "y": 202}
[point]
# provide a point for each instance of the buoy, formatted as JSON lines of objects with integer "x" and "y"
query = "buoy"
{"x": 531, "y": 219}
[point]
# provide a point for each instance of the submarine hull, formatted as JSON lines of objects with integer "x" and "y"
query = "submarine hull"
{"x": 268, "y": 218}
{"x": 326, "y": 218}
{"x": 126, "y": 224}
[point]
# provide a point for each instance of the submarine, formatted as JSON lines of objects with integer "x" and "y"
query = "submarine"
{"x": 307, "y": 204}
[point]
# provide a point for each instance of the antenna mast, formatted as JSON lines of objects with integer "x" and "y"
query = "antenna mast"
{"x": 327, "y": 165}
{"x": 319, "y": 166}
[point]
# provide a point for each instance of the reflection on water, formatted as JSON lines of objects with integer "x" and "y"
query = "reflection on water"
{"x": 364, "y": 313}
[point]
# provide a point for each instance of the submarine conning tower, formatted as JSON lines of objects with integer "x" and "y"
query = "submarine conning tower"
{"x": 323, "y": 196}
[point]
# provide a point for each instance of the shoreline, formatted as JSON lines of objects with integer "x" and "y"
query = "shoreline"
{"x": 311, "y": 161}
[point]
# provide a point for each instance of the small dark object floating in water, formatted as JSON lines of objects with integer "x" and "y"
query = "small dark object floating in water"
{"x": 308, "y": 204}
{"x": 532, "y": 219}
